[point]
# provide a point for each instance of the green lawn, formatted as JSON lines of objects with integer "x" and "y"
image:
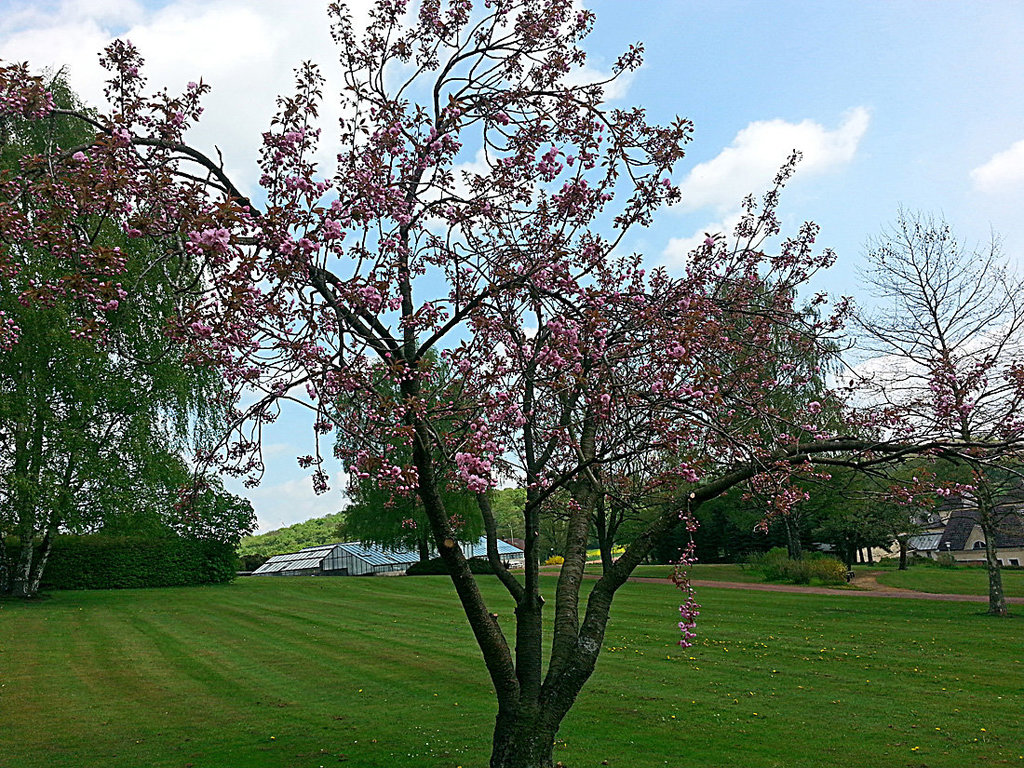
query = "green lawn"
{"x": 956, "y": 581}
{"x": 300, "y": 673}
{"x": 702, "y": 571}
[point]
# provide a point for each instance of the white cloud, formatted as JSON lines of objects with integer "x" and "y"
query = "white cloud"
{"x": 613, "y": 91}
{"x": 293, "y": 501}
{"x": 749, "y": 165}
{"x": 247, "y": 50}
{"x": 1004, "y": 169}
{"x": 677, "y": 252}
{"x": 750, "y": 162}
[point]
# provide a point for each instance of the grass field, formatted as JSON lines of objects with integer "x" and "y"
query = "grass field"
{"x": 300, "y": 673}
{"x": 705, "y": 571}
{"x": 962, "y": 580}
{"x": 956, "y": 581}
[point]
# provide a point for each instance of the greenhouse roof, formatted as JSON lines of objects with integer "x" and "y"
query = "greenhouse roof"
{"x": 375, "y": 556}
{"x": 312, "y": 557}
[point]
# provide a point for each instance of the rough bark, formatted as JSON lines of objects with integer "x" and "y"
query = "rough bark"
{"x": 588, "y": 498}
{"x": 524, "y": 742}
{"x": 996, "y": 596}
{"x": 989, "y": 524}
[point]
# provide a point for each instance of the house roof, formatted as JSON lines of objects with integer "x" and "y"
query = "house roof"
{"x": 925, "y": 542}
{"x": 1009, "y": 528}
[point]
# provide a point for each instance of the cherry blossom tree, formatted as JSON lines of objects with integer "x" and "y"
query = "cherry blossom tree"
{"x": 477, "y": 210}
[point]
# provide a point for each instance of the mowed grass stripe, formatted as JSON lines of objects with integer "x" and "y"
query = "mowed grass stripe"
{"x": 267, "y": 673}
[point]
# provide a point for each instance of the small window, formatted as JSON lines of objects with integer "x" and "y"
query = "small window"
{"x": 979, "y": 545}
{"x": 1015, "y": 561}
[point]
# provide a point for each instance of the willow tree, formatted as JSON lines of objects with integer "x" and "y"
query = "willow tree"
{"x": 97, "y": 404}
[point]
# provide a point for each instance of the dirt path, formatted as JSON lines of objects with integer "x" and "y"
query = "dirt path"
{"x": 867, "y": 583}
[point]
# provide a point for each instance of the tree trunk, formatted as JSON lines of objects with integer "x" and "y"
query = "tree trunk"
{"x": 871, "y": 557}
{"x": 987, "y": 522}
{"x": 792, "y": 537}
{"x": 41, "y": 557}
{"x": 996, "y": 597}
{"x": 848, "y": 554}
{"x": 903, "y": 553}
{"x": 28, "y": 461}
{"x": 5, "y": 567}
{"x": 21, "y": 583}
{"x": 604, "y": 542}
{"x": 522, "y": 742}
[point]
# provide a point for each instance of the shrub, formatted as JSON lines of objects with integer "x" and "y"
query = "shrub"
{"x": 775, "y": 565}
{"x": 554, "y": 560}
{"x": 945, "y": 560}
{"x": 251, "y": 562}
{"x": 828, "y": 570}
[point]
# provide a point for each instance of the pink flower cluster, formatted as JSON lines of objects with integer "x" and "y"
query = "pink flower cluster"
{"x": 474, "y": 471}
{"x": 216, "y": 239}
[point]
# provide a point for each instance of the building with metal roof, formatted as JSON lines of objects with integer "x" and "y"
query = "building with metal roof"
{"x": 350, "y": 558}
{"x": 509, "y": 554}
{"x": 353, "y": 558}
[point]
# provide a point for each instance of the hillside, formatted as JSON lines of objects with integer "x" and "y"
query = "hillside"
{"x": 311, "y": 533}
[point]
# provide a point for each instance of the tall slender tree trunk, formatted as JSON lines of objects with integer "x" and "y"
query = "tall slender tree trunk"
{"x": 987, "y": 522}
{"x": 903, "y": 552}
{"x": 22, "y": 580}
{"x": 5, "y": 566}
{"x": 604, "y": 542}
{"x": 28, "y": 461}
{"x": 792, "y": 537}
{"x": 996, "y": 596}
{"x": 40, "y": 560}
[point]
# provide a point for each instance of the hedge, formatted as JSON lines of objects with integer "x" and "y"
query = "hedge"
{"x": 436, "y": 567}
{"x": 119, "y": 562}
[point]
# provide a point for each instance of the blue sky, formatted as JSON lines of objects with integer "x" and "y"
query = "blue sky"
{"x": 912, "y": 103}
